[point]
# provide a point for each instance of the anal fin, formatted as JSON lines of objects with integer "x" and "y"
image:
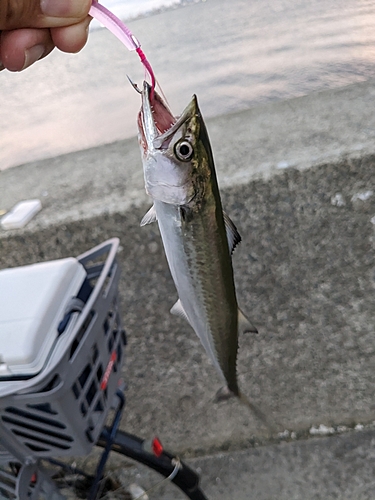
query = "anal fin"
{"x": 178, "y": 310}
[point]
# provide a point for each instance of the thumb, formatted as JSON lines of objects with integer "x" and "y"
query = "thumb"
{"x": 16, "y": 14}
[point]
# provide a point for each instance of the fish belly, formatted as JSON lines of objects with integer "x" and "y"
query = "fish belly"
{"x": 201, "y": 268}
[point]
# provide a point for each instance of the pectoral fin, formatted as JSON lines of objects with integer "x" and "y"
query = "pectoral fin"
{"x": 233, "y": 235}
{"x": 150, "y": 217}
{"x": 244, "y": 325}
{"x": 178, "y": 310}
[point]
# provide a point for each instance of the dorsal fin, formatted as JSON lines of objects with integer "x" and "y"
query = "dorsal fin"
{"x": 233, "y": 235}
{"x": 149, "y": 217}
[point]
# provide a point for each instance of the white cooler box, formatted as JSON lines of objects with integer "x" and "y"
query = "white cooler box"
{"x": 33, "y": 300}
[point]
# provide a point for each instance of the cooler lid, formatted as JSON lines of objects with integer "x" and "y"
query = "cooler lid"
{"x": 33, "y": 300}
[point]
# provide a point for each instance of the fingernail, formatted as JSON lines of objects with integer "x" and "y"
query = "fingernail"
{"x": 61, "y": 8}
{"x": 33, "y": 54}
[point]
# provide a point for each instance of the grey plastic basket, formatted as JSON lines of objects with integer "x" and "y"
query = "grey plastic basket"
{"x": 62, "y": 410}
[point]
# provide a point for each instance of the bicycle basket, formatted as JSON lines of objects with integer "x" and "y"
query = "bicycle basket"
{"x": 62, "y": 409}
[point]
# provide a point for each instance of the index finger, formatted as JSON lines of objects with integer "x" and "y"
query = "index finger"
{"x": 16, "y": 14}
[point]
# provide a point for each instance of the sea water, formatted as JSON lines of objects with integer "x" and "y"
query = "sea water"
{"x": 234, "y": 54}
{"x": 132, "y": 9}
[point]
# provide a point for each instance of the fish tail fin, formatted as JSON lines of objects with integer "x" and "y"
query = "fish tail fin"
{"x": 258, "y": 413}
{"x": 225, "y": 393}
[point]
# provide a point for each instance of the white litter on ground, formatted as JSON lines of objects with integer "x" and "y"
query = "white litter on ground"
{"x": 363, "y": 196}
{"x": 338, "y": 200}
{"x": 322, "y": 430}
{"x": 21, "y": 214}
{"x": 137, "y": 492}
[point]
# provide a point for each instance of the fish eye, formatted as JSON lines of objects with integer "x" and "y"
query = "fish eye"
{"x": 184, "y": 150}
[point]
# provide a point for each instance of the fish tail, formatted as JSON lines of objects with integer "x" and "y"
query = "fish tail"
{"x": 226, "y": 393}
{"x": 258, "y": 413}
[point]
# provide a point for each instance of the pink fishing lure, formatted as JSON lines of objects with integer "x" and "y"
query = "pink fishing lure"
{"x": 123, "y": 33}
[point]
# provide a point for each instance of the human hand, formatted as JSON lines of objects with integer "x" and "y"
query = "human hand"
{"x": 30, "y": 29}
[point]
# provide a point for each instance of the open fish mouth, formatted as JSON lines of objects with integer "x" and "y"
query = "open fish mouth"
{"x": 156, "y": 123}
{"x": 154, "y": 118}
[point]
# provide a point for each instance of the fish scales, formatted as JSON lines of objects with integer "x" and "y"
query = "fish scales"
{"x": 200, "y": 264}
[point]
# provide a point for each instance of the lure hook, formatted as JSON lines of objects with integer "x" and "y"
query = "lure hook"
{"x": 134, "y": 85}
{"x": 122, "y": 32}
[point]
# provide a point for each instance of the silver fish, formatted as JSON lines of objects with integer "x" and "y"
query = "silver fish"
{"x": 198, "y": 237}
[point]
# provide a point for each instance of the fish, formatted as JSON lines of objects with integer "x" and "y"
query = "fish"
{"x": 197, "y": 235}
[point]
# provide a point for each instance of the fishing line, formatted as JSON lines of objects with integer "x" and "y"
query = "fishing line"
{"x": 123, "y": 33}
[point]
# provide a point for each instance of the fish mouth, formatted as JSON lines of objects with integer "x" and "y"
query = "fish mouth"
{"x": 156, "y": 123}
